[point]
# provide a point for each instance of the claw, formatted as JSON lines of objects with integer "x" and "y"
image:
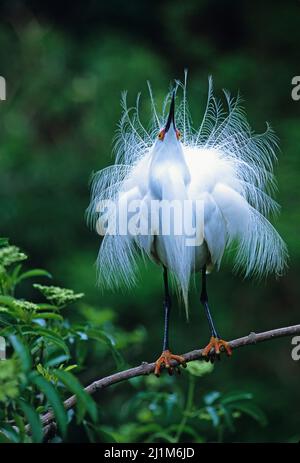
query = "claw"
{"x": 214, "y": 348}
{"x": 164, "y": 361}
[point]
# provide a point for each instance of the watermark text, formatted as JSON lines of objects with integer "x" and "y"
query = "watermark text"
{"x": 2, "y": 88}
{"x": 174, "y": 218}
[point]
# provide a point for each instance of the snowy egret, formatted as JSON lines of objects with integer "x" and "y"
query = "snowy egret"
{"x": 222, "y": 164}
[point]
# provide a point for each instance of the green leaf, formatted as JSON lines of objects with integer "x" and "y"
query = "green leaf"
{"x": 55, "y": 360}
{"x": 213, "y": 415}
{"x": 10, "y": 432}
{"x": 70, "y": 367}
{"x": 45, "y": 306}
{"x": 102, "y": 337}
{"x": 8, "y": 330}
{"x": 72, "y": 383}
{"x": 9, "y": 380}
{"x": 54, "y": 400}
{"x": 228, "y": 418}
{"x": 34, "y": 421}
{"x": 211, "y": 397}
{"x": 20, "y": 424}
{"x": 105, "y": 436}
{"x": 22, "y": 351}
{"x": 234, "y": 397}
{"x": 37, "y": 272}
{"x": 252, "y": 410}
{"x": 48, "y": 316}
{"x": 15, "y": 273}
{"x": 50, "y": 336}
{"x": 199, "y": 368}
{"x": 7, "y": 301}
{"x": 4, "y": 439}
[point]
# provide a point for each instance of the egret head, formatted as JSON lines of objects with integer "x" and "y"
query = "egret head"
{"x": 170, "y": 132}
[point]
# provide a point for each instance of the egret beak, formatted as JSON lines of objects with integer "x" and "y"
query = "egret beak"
{"x": 171, "y": 117}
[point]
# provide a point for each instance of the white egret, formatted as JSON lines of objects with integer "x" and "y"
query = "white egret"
{"x": 224, "y": 165}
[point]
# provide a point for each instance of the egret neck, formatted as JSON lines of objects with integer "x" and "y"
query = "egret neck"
{"x": 168, "y": 174}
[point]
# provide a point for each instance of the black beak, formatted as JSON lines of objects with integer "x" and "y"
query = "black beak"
{"x": 171, "y": 117}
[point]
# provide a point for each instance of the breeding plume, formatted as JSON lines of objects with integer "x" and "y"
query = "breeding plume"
{"x": 217, "y": 177}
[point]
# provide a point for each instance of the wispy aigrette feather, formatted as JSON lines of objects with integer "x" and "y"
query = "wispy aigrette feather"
{"x": 227, "y": 166}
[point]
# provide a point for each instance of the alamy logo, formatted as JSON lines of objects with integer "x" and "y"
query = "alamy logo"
{"x": 2, "y": 89}
{"x": 2, "y": 348}
{"x": 296, "y": 350}
{"x": 296, "y": 88}
{"x": 183, "y": 218}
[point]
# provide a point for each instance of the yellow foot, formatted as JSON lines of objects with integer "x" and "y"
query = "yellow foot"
{"x": 164, "y": 361}
{"x": 214, "y": 349}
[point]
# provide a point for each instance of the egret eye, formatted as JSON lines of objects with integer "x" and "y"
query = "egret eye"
{"x": 178, "y": 134}
{"x": 161, "y": 134}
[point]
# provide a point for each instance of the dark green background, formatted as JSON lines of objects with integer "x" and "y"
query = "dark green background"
{"x": 65, "y": 67}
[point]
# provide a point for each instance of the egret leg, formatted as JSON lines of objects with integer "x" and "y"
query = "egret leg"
{"x": 167, "y": 308}
{"x": 216, "y": 344}
{"x": 166, "y": 356}
{"x": 204, "y": 301}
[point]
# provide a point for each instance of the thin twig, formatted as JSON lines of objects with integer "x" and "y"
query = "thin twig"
{"x": 147, "y": 368}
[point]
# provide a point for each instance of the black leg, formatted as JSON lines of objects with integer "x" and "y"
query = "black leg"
{"x": 204, "y": 301}
{"x": 166, "y": 356}
{"x": 167, "y": 308}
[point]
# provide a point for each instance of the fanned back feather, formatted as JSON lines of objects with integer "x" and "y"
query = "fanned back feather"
{"x": 231, "y": 170}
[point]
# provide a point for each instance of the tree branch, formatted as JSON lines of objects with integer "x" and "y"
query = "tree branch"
{"x": 147, "y": 368}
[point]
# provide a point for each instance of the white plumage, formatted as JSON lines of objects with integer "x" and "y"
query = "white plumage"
{"x": 222, "y": 163}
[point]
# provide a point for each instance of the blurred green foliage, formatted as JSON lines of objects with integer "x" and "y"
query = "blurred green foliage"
{"x": 45, "y": 347}
{"x": 65, "y": 70}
